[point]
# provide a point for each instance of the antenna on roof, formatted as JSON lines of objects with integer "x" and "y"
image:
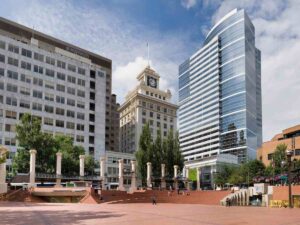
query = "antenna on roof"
{"x": 148, "y": 54}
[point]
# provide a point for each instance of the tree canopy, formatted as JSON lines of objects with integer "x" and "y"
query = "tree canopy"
{"x": 30, "y": 136}
{"x": 159, "y": 151}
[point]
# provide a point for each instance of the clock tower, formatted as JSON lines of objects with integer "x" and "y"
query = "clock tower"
{"x": 149, "y": 77}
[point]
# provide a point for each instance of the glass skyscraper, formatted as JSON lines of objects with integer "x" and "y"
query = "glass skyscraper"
{"x": 220, "y": 93}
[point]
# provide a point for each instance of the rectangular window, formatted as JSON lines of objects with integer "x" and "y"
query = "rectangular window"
{"x": 13, "y": 48}
{"x": 80, "y": 127}
{"x": 71, "y": 67}
{"x": 37, "y": 94}
{"x": 38, "y": 69}
{"x": 61, "y": 76}
{"x": 48, "y": 121}
{"x": 80, "y": 138}
{"x": 70, "y": 113}
{"x": 38, "y": 57}
{"x": 50, "y": 60}
{"x": 49, "y": 85}
{"x": 60, "y": 99}
{"x": 81, "y": 82}
{"x": 72, "y": 79}
{"x": 80, "y": 93}
{"x": 13, "y": 62}
{"x": 1, "y": 99}
{"x": 10, "y": 114}
{"x": 12, "y": 88}
{"x": 24, "y": 104}
{"x": 1, "y": 86}
{"x": 60, "y": 87}
{"x": 60, "y": 123}
{"x": 1, "y": 72}
{"x": 49, "y": 109}
{"x": 25, "y": 91}
{"x": 26, "y": 53}
{"x": 49, "y": 97}
{"x": 26, "y": 65}
{"x": 10, "y": 141}
{"x": 25, "y": 78}
{"x": 11, "y": 101}
{"x": 2, "y": 44}
{"x": 70, "y": 102}
{"x": 81, "y": 71}
{"x": 50, "y": 73}
{"x": 37, "y": 106}
{"x": 60, "y": 111}
{"x": 70, "y": 125}
{"x": 12, "y": 75}
{"x": 80, "y": 105}
{"x": 38, "y": 81}
{"x": 61, "y": 64}
{"x": 71, "y": 91}
{"x": 10, "y": 127}
{"x": 2, "y": 58}
{"x": 80, "y": 116}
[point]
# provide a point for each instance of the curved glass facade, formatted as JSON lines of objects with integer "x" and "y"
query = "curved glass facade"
{"x": 229, "y": 64}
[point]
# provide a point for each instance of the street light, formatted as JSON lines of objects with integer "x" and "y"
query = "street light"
{"x": 289, "y": 154}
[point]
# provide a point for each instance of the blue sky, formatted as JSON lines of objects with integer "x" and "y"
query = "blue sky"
{"x": 120, "y": 29}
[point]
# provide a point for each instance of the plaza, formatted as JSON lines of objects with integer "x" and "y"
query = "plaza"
{"x": 144, "y": 213}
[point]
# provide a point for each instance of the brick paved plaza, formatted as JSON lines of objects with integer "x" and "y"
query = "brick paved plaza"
{"x": 46, "y": 213}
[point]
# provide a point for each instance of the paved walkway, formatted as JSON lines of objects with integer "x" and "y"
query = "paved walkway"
{"x": 123, "y": 214}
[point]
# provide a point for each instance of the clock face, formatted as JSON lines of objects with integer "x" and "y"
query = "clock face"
{"x": 152, "y": 82}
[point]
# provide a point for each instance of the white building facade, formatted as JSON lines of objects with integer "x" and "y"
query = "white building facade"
{"x": 61, "y": 84}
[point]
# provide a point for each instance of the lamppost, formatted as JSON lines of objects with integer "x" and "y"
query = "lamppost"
{"x": 289, "y": 154}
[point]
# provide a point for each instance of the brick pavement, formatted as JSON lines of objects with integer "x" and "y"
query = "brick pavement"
{"x": 46, "y": 213}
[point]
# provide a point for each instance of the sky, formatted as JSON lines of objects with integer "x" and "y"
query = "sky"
{"x": 174, "y": 29}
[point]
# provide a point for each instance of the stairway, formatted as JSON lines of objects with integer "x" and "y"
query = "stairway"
{"x": 195, "y": 197}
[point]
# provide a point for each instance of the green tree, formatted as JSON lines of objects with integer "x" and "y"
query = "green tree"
{"x": 142, "y": 155}
{"x": 157, "y": 155}
{"x": 278, "y": 157}
{"x": 223, "y": 174}
{"x": 178, "y": 158}
{"x": 30, "y": 136}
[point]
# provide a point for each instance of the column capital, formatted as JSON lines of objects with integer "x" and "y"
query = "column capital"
{"x": 81, "y": 156}
{"x": 149, "y": 163}
{"x": 58, "y": 154}
{"x": 163, "y": 165}
{"x": 32, "y": 151}
{"x": 176, "y": 166}
{"x": 102, "y": 158}
{"x": 121, "y": 160}
{"x": 133, "y": 162}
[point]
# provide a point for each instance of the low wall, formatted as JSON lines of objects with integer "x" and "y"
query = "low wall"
{"x": 3, "y": 188}
{"x": 282, "y": 192}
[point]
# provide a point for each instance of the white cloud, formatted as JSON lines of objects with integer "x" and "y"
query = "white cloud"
{"x": 110, "y": 34}
{"x": 278, "y": 38}
{"x": 188, "y": 3}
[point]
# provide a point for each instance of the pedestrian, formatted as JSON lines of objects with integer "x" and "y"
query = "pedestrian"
{"x": 153, "y": 198}
{"x": 227, "y": 202}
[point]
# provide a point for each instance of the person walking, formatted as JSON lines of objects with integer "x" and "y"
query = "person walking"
{"x": 153, "y": 198}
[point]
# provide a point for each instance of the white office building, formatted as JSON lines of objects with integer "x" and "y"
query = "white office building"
{"x": 64, "y": 85}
